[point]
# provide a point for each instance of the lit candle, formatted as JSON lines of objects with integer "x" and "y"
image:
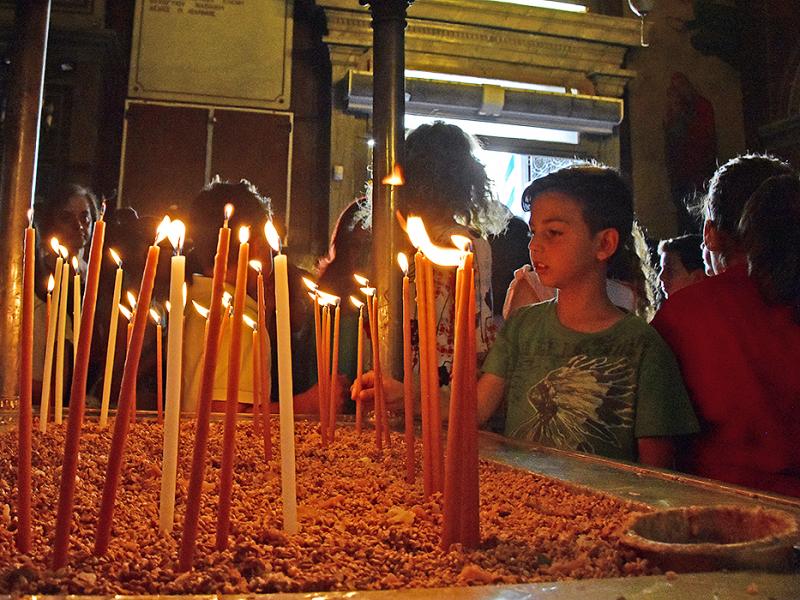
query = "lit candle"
{"x": 24, "y": 421}
{"x": 132, "y": 303}
{"x": 232, "y": 399}
{"x": 126, "y": 398}
{"x": 77, "y": 400}
{"x": 376, "y": 366}
{"x": 334, "y": 370}
{"x": 359, "y": 361}
{"x": 263, "y": 373}
{"x": 326, "y": 361}
{"x": 76, "y": 306}
{"x": 62, "y": 332}
{"x": 52, "y": 321}
{"x": 408, "y": 397}
{"x": 159, "y": 383}
{"x": 213, "y": 326}
{"x": 112, "y": 340}
{"x": 288, "y": 483}
{"x": 318, "y": 346}
{"x": 172, "y": 410}
{"x": 256, "y": 375}
{"x": 51, "y": 283}
{"x": 426, "y": 304}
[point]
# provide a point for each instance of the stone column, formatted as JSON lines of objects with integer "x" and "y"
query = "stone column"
{"x": 388, "y": 35}
{"x": 19, "y": 176}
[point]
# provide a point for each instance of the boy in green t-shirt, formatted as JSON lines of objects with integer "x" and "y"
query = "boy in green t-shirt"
{"x": 578, "y": 373}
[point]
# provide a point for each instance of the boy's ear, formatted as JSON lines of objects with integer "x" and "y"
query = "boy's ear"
{"x": 607, "y": 243}
{"x": 712, "y": 237}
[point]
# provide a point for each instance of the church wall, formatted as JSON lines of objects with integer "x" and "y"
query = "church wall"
{"x": 649, "y": 96}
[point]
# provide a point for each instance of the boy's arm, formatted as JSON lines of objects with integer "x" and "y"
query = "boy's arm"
{"x": 490, "y": 392}
{"x": 657, "y": 452}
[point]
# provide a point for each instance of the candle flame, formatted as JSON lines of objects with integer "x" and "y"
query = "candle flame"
{"x": 55, "y": 245}
{"x": 310, "y": 284}
{"x": 201, "y": 310}
{"x": 162, "y": 232}
{"x": 51, "y": 283}
{"x": 115, "y": 257}
{"x": 361, "y": 280}
{"x": 228, "y": 211}
{"x": 250, "y": 322}
{"x": 444, "y": 257}
{"x": 368, "y": 291}
{"x": 177, "y": 235}
{"x": 125, "y": 312}
{"x": 131, "y": 299}
{"x": 356, "y": 302}
{"x": 74, "y": 264}
{"x": 328, "y": 299}
{"x": 461, "y": 242}
{"x": 62, "y": 250}
{"x": 313, "y": 296}
{"x": 272, "y": 236}
{"x": 30, "y": 217}
{"x": 244, "y": 234}
{"x": 402, "y": 260}
{"x": 395, "y": 177}
{"x": 256, "y": 265}
{"x": 168, "y": 305}
{"x": 155, "y": 316}
{"x": 226, "y": 299}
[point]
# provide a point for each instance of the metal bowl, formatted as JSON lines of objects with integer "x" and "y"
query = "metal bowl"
{"x": 711, "y": 538}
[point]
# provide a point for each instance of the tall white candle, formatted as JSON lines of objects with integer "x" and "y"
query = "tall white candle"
{"x": 112, "y": 341}
{"x": 62, "y": 332}
{"x": 76, "y": 305}
{"x": 47, "y": 374}
{"x": 288, "y": 475}
{"x": 172, "y": 400}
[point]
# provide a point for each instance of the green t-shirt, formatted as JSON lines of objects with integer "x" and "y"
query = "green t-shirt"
{"x": 590, "y": 392}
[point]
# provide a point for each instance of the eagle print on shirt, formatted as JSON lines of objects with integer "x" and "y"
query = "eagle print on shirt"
{"x": 580, "y": 402}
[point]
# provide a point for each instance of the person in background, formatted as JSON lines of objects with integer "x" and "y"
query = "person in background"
{"x": 447, "y": 186}
{"x": 631, "y": 290}
{"x": 736, "y": 335}
{"x": 204, "y": 217}
{"x": 509, "y": 253}
{"x": 681, "y": 260}
{"x": 68, "y": 215}
{"x": 577, "y": 372}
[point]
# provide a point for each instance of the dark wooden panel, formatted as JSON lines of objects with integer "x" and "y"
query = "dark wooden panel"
{"x": 253, "y": 146}
{"x": 164, "y": 157}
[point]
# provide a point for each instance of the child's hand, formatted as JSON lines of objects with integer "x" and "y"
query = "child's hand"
{"x": 392, "y": 391}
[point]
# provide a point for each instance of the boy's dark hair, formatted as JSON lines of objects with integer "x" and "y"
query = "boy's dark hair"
{"x": 688, "y": 248}
{"x": 732, "y": 185}
{"x": 349, "y": 250}
{"x": 606, "y": 202}
{"x": 770, "y": 234}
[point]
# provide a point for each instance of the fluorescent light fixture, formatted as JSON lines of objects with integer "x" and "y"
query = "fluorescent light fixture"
{"x": 515, "y": 85}
{"x": 504, "y": 130}
{"x": 551, "y": 4}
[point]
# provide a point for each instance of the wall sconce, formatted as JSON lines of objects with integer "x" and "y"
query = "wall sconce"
{"x": 641, "y": 8}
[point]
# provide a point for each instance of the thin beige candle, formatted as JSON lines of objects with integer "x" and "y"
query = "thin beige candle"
{"x": 334, "y": 371}
{"x": 112, "y": 340}
{"x": 159, "y": 373}
{"x": 288, "y": 470}
{"x": 52, "y": 320}
{"x": 60, "y": 345}
{"x": 359, "y": 361}
{"x": 76, "y": 306}
{"x": 256, "y": 374}
{"x": 172, "y": 408}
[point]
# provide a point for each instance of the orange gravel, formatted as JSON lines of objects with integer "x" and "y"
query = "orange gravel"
{"x": 361, "y": 526}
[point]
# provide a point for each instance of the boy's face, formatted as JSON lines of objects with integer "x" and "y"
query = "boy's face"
{"x": 673, "y": 276}
{"x": 563, "y": 250}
